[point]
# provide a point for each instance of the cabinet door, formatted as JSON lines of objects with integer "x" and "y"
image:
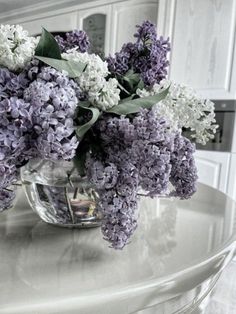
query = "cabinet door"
{"x": 203, "y": 46}
{"x": 232, "y": 178}
{"x": 126, "y": 15}
{"x": 105, "y": 11}
{"x": 213, "y": 168}
{"x": 57, "y": 23}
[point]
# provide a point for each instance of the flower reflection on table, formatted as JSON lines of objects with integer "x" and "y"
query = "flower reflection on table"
{"x": 81, "y": 255}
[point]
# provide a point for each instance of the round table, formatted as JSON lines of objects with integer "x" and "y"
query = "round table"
{"x": 173, "y": 261}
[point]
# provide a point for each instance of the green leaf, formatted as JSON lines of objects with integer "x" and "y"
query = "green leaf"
{"x": 141, "y": 84}
{"x": 47, "y": 46}
{"x": 82, "y": 129}
{"x": 84, "y": 104}
{"x": 127, "y": 106}
{"x": 131, "y": 78}
{"x": 73, "y": 68}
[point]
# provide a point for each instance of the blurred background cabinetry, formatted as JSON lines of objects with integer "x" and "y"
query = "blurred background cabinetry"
{"x": 203, "y": 37}
{"x": 108, "y": 23}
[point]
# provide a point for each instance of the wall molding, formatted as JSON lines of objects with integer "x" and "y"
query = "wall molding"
{"x": 50, "y": 8}
{"x": 166, "y": 21}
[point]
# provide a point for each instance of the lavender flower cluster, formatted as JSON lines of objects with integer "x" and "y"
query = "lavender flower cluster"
{"x": 182, "y": 161}
{"x": 77, "y": 39}
{"x": 147, "y": 56}
{"x": 137, "y": 153}
{"x": 53, "y": 100}
{"x": 14, "y": 121}
{"x": 37, "y": 109}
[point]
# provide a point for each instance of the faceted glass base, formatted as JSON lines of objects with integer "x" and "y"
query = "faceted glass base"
{"x": 59, "y": 195}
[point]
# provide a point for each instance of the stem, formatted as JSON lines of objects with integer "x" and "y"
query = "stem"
{"x": 17, "y": 184}
{"x": 95, "y": 195}
{"x": 75, "y": 193}
{"x": 69, "y": 206}
{"x": 69, "y": 173}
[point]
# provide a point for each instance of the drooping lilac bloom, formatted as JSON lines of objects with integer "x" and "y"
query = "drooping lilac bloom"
{"x": 184, "y": 171}
{"x": 76, "y": 39}
{"x": 145, "y": 154}
{"x": 103, "y": 176}
{"x": 120, "y": 139}
{"x": 147, "y": 56}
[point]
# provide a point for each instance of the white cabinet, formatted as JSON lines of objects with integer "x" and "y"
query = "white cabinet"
{"x": 121, "y": 18}
{"x": 126, "y": 15}
{"x": 232, "y": 177}
{"x": 203, "y": 46}
{"x": 55, "y": 23}
{"x": 106, "y": 10}
{"x": 213, "y": 168}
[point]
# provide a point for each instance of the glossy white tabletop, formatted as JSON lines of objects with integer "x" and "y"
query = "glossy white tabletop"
{"x": 174, "y": 259}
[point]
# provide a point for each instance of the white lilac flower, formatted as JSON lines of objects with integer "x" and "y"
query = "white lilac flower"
{"x": 107, "y": 96}
{"x": 102, "y": 93}
{"x": 16, "y": 47}
{"x": 184, "y": 109}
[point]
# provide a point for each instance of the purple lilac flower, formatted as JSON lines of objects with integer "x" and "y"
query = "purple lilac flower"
{"x": 76, "y": 39}
{"x": 184, "y": 171}
{"x": 146, "y": 141}
{"x": 121, "y": 140}
{"x": 15, "y": 118}
{"x": 8, "y": 175}
{"x": 6, "y": 199}
{"x": 143, "y": 153}
{"x": 12, "y": 84}
{"x": 146, "y": 32}
{"x": 147, "y": 56}
{"x": 53, "y": 100}
{"x": 118, "y": 201}
{"x": 15, "y": 122}
{"x": 36, "y": 116}
{"x": 103, "y": 176}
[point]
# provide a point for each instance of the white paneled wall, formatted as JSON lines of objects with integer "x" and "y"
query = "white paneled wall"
{"x": 213, "y": 168}
{"x": 203, "y": 42}
{"x": 57, "y": 23}
{"x": 121, "y": 18}
{"x": 128, "y": 14}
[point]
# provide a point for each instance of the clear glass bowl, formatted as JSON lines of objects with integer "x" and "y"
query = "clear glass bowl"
{"x": 59, "y": 195}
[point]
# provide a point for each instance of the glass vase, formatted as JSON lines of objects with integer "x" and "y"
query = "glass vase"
{"x": 59, "y": 195}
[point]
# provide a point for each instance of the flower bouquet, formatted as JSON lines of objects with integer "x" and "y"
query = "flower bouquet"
{"x": 115, "y": 124}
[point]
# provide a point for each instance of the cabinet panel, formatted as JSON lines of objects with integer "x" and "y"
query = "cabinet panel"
{"x": 63, "y": 22}
{"x": 128, "y": 14}
{"x": 232, "y": 177}
{"x": 104, "y": 10}
{"x": 203, "y": 46}
{"x": 213, "y": 168}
